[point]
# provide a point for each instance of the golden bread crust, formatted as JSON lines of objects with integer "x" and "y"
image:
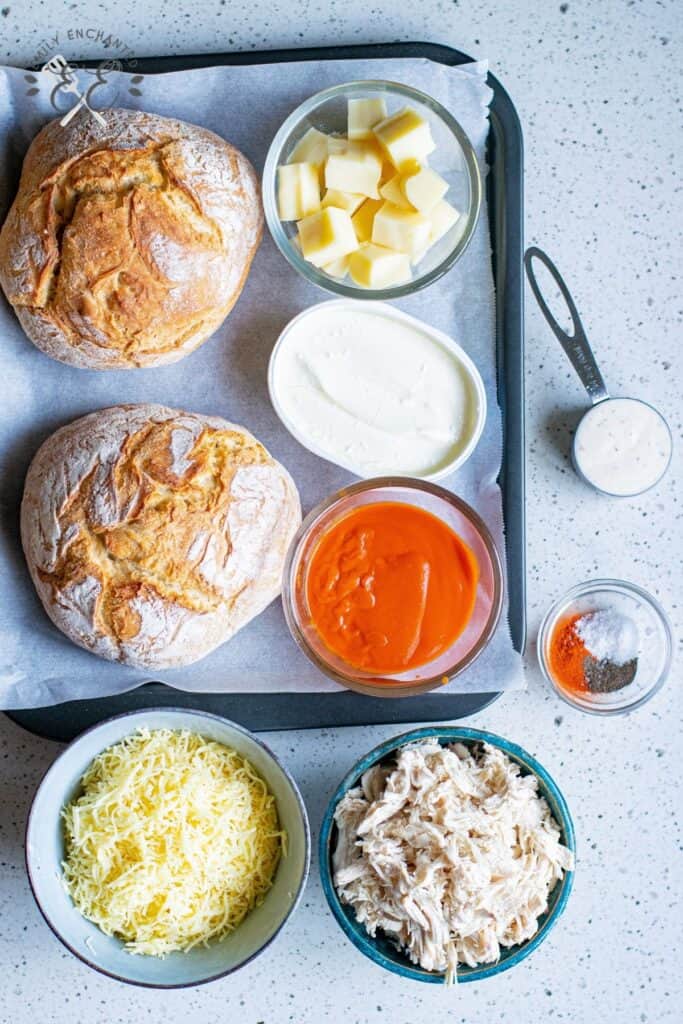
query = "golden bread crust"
{"x": 127, "y": 246}
{"x": 152, "y": 534}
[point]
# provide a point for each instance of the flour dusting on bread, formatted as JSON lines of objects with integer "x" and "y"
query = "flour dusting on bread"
{"x": 152, "y": 534}
{"x": 127, "y": 246}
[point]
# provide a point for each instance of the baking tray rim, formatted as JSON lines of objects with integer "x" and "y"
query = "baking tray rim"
{"x": 501, "y": 109}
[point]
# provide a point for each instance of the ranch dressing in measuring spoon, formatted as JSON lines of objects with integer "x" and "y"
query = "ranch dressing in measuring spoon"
{"x": 622, "y": 446}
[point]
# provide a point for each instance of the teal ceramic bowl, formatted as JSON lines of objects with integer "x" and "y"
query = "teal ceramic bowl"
{"x": 380, "y": 950}
{"x": 45, "y": 851}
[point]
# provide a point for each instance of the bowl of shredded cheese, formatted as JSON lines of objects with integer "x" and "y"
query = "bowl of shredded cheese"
{"x": 447, "y": 855}
{"x": 167, "y": 847}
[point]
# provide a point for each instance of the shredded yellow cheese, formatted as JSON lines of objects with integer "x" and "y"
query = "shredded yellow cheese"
{"x": 173, "y": 839}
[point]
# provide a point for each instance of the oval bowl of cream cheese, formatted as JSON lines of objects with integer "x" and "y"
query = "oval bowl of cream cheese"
{"x": 376, "y": 391}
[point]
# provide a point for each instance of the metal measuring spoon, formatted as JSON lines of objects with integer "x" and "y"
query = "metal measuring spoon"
{"x": 622, "y": 446}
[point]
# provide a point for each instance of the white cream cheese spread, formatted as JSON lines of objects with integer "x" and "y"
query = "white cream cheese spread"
{"x": 376, "y": 391}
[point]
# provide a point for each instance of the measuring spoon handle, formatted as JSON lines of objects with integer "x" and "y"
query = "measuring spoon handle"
{"x": 576, "y": 346}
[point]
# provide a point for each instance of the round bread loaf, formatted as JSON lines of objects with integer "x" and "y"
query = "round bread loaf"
{"x": 152, "y": 534}
{"x": 128, "y": 245}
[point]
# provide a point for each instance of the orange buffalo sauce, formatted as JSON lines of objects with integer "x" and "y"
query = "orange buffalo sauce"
{"x": 390, "y": 587}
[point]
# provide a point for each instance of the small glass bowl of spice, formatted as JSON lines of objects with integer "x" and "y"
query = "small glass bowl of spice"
{"x": 605, "y": 646}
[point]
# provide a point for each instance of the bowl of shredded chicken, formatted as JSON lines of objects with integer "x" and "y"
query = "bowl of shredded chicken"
{"x": 447, "y": 855}
{"x": 167, "y": 847}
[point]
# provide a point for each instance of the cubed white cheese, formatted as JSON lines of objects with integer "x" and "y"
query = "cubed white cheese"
{"x": 342, "y": 200}
{"x": 363, "y": 115}
{"x": 403, "y": 230}
{"x": 373, "y": 266}
{"x": 424, "y": 189}
{"x": 298, "y": 190}
{"x": 406, "y": 138}
{"x": 442, "y": 218}
{"x": 326, "y": 236}
{"x": 356, "y": 170}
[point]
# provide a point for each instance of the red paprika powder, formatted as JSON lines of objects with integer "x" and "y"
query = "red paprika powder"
{"x": 567, "y": 655}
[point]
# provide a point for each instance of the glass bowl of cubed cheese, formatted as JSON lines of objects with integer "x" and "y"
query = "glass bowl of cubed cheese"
{"x": 371, "y": 189}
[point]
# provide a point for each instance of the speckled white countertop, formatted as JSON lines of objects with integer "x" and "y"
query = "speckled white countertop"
{"x": 597, "y": 88}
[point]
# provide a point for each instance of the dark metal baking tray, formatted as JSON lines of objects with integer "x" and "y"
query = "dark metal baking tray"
{"x": 505, "y": 196}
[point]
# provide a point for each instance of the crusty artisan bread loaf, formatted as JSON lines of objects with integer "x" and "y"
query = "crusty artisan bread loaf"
{"x": 152, "y": 534}
{"x": 128, "y": 245}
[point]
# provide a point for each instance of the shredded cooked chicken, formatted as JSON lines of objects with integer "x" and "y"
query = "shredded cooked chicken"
{"x": 451, "y": 853}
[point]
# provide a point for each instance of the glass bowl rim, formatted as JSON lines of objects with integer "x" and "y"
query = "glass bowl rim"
{"x": 371, "y": 686}
{"x": 307, "y": 270}
{"x": 454, "y": 734}
{"x": 581, "y": 590}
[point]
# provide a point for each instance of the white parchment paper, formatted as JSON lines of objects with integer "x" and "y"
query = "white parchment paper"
{"x": 226, "y": 376}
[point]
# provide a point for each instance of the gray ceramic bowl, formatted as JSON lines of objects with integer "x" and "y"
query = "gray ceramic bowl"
{"x": 45, "y": 851}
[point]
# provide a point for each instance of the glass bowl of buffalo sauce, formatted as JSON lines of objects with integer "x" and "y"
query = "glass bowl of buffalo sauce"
{"x": 392, "y": 586}
{"x": 606, "y": 646}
